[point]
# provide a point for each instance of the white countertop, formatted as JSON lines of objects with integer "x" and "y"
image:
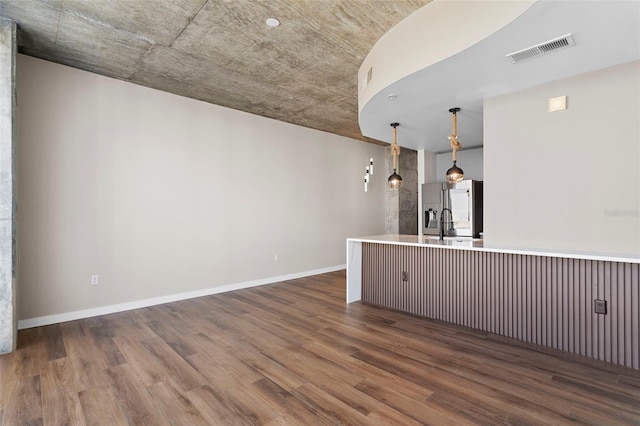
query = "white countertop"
{"x": 478, "y": 245}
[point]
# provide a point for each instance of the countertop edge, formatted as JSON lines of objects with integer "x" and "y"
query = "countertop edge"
{"x": 479, "y": 246}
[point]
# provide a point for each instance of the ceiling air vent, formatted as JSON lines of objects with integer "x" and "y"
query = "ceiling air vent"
{"x": 541, "y": 48}
{"x": 367, "y": 78}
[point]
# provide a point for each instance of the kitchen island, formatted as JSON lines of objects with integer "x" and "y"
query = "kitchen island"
{"x": 543, "y": 297}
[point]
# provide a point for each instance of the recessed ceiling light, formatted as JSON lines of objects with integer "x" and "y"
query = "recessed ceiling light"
{"x": 273, "y": 22}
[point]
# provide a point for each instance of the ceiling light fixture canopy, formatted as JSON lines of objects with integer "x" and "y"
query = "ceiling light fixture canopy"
{"x": 395, "y": 181}
{"x": 273, "y": 22}
{"x": 455, "y": 173}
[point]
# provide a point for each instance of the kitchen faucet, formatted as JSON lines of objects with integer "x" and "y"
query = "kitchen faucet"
{"x": 442, "y": 221}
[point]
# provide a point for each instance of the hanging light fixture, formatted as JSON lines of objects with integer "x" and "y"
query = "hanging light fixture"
{"x": 395, "y": 181}
{"x": 455, "y": 173}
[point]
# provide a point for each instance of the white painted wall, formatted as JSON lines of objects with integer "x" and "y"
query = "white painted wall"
{"x": 160, "y": 194}
{"x": 426, "y": 174}
{"x": 426, "y": 166}
{"x": 566, "y": 180}
{"x": 469, "y": 160}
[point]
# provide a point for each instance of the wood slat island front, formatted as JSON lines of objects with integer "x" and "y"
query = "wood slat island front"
{"x": 541, "y": 298}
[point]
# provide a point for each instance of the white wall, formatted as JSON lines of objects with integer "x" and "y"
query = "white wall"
{"x": 426, "y": 174}
{"x": 426, "y": 166}
{"x": 565, "y": 180}
{"x": 160, "y": 194}
{"x": 469, "y": 160}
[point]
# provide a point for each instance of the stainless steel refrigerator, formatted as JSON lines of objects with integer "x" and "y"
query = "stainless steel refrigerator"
{"x": 458, "y": 205}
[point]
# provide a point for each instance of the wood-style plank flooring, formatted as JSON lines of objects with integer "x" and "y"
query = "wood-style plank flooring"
{"x": 294, "y": 353}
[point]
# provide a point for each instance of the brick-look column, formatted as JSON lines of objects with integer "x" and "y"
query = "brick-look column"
{"x": 8, "y": 216}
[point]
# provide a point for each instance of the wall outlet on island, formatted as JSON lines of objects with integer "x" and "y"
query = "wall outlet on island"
{"x": 94, "y": 280}
{"x": 600, "y": 307}
{"x": 405, "y": 276}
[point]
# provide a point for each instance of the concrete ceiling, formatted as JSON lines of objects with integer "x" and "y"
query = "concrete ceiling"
{"x": 221, "y": 51}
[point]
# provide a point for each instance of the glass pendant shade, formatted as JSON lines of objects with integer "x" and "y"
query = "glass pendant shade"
{"x": 395, "y": 181}
{"x": 455, "y": 174}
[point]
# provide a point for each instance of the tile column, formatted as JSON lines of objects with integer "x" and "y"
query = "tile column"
{"x": 8, "y": 216}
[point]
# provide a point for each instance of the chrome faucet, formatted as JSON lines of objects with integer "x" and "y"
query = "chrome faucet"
{"x": 442, "y": 221}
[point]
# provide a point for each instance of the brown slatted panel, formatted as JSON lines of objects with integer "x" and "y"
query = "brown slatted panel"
{"x": 542, "y": 300}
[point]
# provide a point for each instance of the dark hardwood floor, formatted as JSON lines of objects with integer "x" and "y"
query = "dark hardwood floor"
{"x": 294, "y": 353}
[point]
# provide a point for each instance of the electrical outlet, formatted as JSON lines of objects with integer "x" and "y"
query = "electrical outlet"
{"x": 600, "y": 307}
{"x": 94, "y": 280}
{"x": 405, "y": 276}
{"x": 276, "y": 257}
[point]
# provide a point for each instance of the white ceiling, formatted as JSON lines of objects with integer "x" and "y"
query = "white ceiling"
{"x": 606, "y": 33}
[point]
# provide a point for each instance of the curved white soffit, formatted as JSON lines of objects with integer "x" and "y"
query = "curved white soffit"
{"x": 433, "y": 33}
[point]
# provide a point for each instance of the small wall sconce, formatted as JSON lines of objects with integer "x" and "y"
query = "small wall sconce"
{"x": 367, "y": 176}
{"x": 368, "y": 172}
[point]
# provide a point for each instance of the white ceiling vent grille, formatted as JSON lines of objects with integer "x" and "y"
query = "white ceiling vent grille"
{"x": 541, "y": 48}
{"x": 367, "y": 78}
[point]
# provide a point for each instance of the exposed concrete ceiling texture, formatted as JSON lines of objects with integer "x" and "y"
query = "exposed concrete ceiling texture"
{"x": 221, "y": 51}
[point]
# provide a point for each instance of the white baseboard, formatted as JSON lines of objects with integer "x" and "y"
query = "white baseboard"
{"x": 120, "y": 307}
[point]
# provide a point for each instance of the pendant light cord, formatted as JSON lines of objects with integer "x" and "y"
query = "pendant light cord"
{"x": 455, "y": 145}
{"x": 395, "y": 149}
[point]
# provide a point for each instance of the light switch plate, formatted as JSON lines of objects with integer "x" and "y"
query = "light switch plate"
{"x": 558, "y": 104}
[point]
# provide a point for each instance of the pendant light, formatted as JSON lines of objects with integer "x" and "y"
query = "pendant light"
{"x": 395, "y": 181}
{"x": 455, "y": 173}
